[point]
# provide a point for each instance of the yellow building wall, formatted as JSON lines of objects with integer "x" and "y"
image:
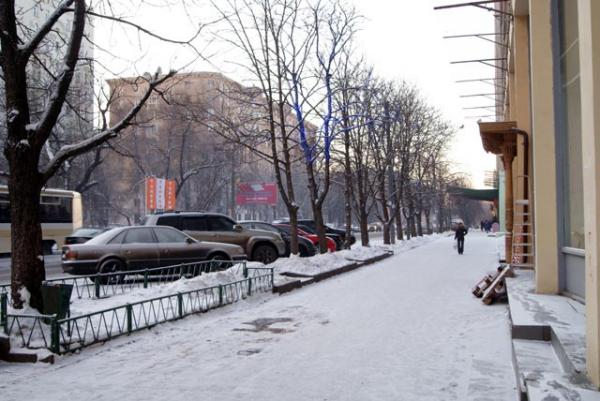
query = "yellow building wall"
{"x": 543, "y": 147}
{"x": 589, "y": 55}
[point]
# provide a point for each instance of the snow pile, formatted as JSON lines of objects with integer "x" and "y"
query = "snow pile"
{"x": 312, "y": 265}
{"x": 206, "y": 280}
{"x": 330, "y": 261}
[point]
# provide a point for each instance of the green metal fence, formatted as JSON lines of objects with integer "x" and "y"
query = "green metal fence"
{"x": 102, "y": 285}
{"x": 77, "y": 332}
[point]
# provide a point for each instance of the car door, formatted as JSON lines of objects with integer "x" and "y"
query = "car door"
{"x": 197, "y": 227}
{"x": 140, "y": 249}
{"x": 223, "y": 228}
{"x": 174, "y": 247}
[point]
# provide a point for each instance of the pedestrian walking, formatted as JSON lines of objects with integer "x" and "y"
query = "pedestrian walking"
{"x": 459, "y": 236}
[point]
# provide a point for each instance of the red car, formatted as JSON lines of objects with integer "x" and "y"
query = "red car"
{"x": 314, "y": 238}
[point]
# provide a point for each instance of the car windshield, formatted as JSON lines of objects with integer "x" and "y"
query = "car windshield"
{"x": 306, "y": 229}
{"x": 104, "y": 237}
{"x": 266, "y": 227}
{"x": 285, "y": 229}
{"x": 87, "y": 232}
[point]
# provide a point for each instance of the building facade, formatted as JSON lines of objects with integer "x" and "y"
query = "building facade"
{"x": 547, "y": 136}
{"x": 203, "y": 130}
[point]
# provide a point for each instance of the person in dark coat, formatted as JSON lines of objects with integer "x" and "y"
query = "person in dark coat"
{"x": 459, "y": 236}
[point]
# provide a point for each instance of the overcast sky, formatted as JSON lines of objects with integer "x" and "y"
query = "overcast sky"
{"x": 402, "y": 39}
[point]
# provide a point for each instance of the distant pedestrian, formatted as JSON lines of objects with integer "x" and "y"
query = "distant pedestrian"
{"x": 459, "y": 236}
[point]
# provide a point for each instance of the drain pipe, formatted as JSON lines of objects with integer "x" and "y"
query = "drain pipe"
{"x": 525, "y": 156}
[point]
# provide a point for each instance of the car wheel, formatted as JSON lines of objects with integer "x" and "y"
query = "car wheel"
{"x": 264, "y": 253}
{"x": 220, "y": 262}
{"x": 111, "y": 266}
{"x": 303, "y": 251}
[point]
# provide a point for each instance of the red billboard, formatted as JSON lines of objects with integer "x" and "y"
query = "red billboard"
{"x": 256, "y": 193}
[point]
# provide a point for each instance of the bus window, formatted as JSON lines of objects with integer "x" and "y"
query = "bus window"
{"x": 4, "y": 209}
{"x": 54, "y": 209}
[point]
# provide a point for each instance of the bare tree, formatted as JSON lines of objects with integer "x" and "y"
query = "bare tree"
{"x": 27, "y": 134}
{"x": 331, "y": 30}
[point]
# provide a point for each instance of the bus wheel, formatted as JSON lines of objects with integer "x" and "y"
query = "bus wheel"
{"x": 48, "y": 246}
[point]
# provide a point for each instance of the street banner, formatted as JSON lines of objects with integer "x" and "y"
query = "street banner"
{"x": 170, "y": 189}
{"x": 256, "y": 193}
{"x": 160, "y": 194}
{"x": 150, "y": 193}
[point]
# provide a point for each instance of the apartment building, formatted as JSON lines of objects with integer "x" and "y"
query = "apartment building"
{"x": 201, "y": 129}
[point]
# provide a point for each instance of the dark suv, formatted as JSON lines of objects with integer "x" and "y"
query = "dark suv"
{"x": 259, "y": 245}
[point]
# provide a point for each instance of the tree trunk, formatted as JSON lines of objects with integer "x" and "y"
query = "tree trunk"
{"x": 398, "y": 218}
{"x": 428, "y": 221}
{"x": 27, "y": 261}
{"x": 364, "y": 228}
{"x": 293, "y": 213}
{"x": 316, "y": 208}
{"x": 347, "y": 181}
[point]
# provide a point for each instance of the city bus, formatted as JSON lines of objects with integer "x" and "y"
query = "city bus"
{"x": 60, "y": 212}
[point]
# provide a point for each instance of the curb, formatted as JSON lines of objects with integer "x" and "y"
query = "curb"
{"x": 21, "y": 357}
{"x": 304, "y": 279}
{"x": 287, "y": 287}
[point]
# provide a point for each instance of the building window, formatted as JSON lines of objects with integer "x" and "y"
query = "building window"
{"x": 569, "y": 126}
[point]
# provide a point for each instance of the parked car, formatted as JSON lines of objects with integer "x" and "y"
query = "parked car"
{"x": 329, "y": 230}
{"x": 259, "y": 245}
{"x": 305, "y": 246}
{"x": 83, "y": 234}
{"x": 133, "y": 248}
{"x": 312, "y": 237}
{"x": 337, "y": 240}
{"x": 339, "y": 236}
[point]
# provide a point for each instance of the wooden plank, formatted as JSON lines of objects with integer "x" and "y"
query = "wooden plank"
{"x": 496, "y": 287}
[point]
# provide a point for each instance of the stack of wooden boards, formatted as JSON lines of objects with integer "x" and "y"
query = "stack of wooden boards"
{"x": 492, "y": 287}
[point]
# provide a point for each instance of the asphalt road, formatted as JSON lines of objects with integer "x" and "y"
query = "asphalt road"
{"x": 52, "y": 263}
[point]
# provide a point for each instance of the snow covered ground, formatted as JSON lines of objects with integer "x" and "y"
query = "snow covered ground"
{"x": 406, "y": 328}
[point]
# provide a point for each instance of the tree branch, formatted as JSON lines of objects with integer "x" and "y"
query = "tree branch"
{"x": 28, "y": 48}
{"x": 44, "y": 127}
{"x": 72, "y": 150}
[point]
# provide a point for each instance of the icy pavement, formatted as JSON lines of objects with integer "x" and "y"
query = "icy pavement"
{"x": 406, "y": 328}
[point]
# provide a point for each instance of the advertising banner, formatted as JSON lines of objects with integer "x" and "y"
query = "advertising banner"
{"x": 256, "y": 193}
{"x": 160, "y": 194}
{"x": 150, "y": 193}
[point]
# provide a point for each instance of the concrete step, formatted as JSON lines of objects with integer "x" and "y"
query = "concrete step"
{"x": 548, "y": 334}
{"x": 23, "y": 356}
{"x": 529, "y": 356}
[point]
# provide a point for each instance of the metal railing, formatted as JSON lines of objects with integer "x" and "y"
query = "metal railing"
{"x": 102, "y": 285}
{"x": 77, "y": 332}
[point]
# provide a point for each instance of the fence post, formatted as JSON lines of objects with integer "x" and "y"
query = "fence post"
{"x": 129, "y": 313}
{"x": 249, "y": 287}
{"x": 3, "y": 308}
{"x": 220, "y": 295}
{"x": 146, "y": 278}
{"x": 54, "y": 336}
{"x": 245, "y": 269}
{"x": 97, "y": 286}
{"x": 272, "y": 277}
{"x": 180, "y": 304}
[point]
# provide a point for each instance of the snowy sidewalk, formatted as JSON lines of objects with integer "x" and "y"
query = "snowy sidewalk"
{"x": 406, "y": 328}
